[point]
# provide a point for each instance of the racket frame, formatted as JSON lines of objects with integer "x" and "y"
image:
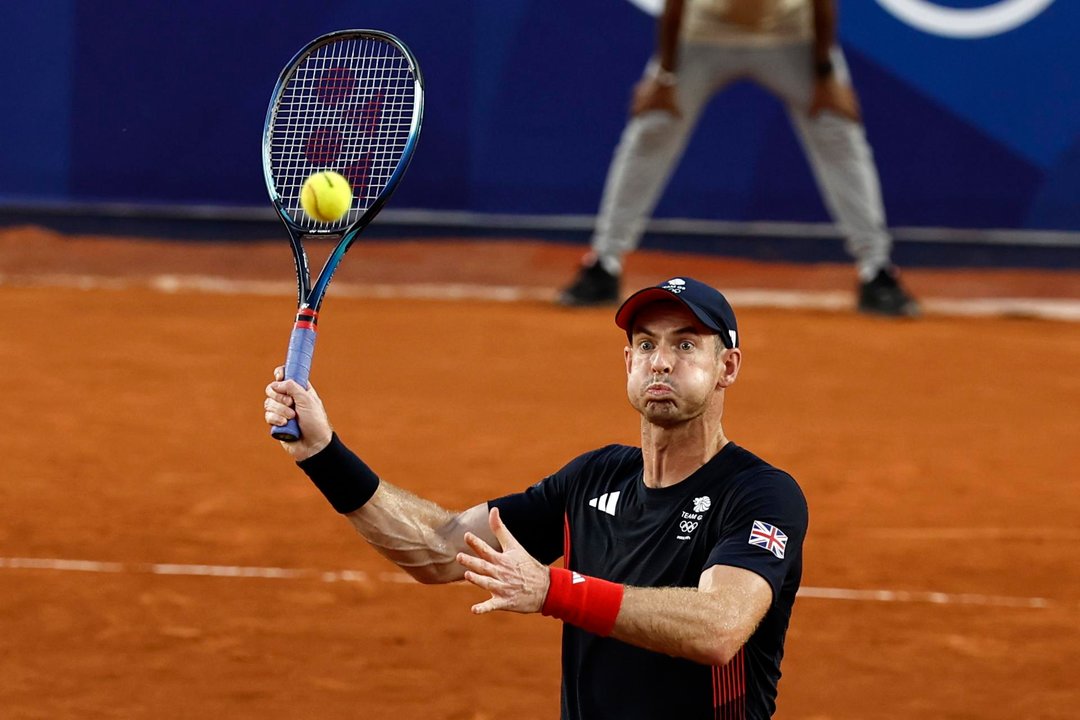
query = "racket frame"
{"x": 310, "y": 295}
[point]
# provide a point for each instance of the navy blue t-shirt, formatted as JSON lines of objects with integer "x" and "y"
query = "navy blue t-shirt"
{"x": 597, "y": 514}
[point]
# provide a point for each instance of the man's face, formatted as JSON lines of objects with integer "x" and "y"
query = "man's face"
{"x": 673, "y": 364}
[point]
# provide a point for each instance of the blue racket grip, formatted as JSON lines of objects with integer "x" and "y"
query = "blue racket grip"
{"x": 298, "y": 368}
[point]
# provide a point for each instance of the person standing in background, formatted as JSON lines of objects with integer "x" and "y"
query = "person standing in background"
{"x": 789, "y": 48}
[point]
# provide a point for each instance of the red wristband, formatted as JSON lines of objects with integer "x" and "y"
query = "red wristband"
{"x": 586, "y": 602}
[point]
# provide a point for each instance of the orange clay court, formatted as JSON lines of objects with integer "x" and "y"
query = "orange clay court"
{"x": 162, "y": 558}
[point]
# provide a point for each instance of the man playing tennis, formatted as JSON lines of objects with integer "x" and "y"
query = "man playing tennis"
{"x": 682, "y": 557}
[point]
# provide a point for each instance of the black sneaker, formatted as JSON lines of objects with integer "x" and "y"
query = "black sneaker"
{"x": 593, "y": 286}
{"x": 884, "y": 296}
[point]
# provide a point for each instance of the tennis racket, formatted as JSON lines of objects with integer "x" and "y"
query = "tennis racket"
{"x": 352, "y": 102}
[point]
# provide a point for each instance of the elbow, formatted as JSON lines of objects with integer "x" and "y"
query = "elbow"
{"x": 435, "y": 573}
{"x": 726, "y": 653}
{"x": 717, "y": 650}
{"x": 424, "y": 576}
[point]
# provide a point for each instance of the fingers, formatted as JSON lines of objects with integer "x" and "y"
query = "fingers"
{"x": 516, "y": 581}
{"x": 278, "y": 405}
{"x": 283, "y": 395}
{"x": 484, "y": 582}
{"x": 276, "y": 408}
{"x": 497, "y": 588}
{"x": 487, "y": 606}
{"x": 281, "y": 399}
{"x": 277, "y": 413}
{"x": 471, "y": 562}
{"x": 287, "y": 387}
{"x": 484, "y": 574}
{"x": 501, "y": 532}
{"x": 288, "y": 400}
{"x": 480, "y": 547}
{"x": 305, "y": 400}
{"x": 278, "y": 397}
{"x": 480, "y": 573}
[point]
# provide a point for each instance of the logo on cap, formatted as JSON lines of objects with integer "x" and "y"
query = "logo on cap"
{"x": 675, "y": 285}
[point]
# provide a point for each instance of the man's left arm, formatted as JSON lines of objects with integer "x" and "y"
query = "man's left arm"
{"x": 824, "y": 34}
{"x": 707, "y": 624}
{"x": 830, "y": 92}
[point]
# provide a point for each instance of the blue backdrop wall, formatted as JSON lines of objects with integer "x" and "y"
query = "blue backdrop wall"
{"x": 131, "y": 101}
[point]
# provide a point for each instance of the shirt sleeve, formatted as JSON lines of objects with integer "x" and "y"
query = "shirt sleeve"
{"x": 536, "y": 517}
{"x": 764, "y": 532}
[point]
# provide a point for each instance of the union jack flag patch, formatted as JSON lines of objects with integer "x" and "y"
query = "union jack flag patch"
{"x": 769, "y": 537}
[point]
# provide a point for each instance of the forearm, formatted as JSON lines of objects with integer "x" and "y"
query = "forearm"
{"x": 706, "y": 627}
{"x": 419, "y": 536}
{"x": 707, "y": 624}
{"x": 824, "y": 29}
{"x": 416, "y": 534}
{"x": 667, "y": 35}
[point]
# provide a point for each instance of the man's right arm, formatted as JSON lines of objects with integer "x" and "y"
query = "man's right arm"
{"x": 418, "y": 535}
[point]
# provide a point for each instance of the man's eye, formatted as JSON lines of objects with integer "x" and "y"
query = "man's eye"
{"x": 686, "y": 345}
{"x": 645, "y": 346}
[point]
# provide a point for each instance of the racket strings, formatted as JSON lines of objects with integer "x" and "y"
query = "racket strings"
{"x": 349, "y": 106}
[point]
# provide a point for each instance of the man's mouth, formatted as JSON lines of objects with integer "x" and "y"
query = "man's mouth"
{"x": 659, "y": 390}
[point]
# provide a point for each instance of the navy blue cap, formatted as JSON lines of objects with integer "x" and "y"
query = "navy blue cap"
{"x": 707, "y": 303}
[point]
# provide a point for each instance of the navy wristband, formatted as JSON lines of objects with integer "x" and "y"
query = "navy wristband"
{"x": 345, "y": 480}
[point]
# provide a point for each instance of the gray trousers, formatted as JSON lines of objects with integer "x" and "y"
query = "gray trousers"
{"x": 836, "y": 148}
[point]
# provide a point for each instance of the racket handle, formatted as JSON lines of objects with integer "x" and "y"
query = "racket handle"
{"x": 298, "y": 367}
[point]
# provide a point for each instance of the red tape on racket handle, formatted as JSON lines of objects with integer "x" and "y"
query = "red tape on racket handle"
{"x": 298, "y": 368}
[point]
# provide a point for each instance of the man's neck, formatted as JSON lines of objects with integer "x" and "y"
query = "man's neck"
{"x": 673, "y": 454}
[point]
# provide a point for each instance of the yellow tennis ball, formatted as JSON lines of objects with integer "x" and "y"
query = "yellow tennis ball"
{"x": 326, "y": 196}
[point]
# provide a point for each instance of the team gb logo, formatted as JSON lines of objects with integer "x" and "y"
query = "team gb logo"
{"x": 702, "y": 504}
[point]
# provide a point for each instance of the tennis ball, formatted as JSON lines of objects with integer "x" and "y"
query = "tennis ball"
{"x": 326, "y": 196}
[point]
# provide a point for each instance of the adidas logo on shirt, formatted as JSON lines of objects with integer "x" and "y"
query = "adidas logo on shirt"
{"x": 606, "y": 502}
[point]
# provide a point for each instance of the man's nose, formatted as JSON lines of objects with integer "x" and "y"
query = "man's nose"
{"x": 661, "y": 359}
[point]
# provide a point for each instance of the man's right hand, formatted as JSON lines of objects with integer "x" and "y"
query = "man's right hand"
{"x": 651, "y": 95}
{"x": 285, "y": 399}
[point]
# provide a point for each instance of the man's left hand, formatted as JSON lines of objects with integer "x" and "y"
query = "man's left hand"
{"x": 517, "y": 582}
{"x": 831, "y": 95}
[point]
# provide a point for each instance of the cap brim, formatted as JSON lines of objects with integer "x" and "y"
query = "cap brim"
{"x": 634, "y": 304}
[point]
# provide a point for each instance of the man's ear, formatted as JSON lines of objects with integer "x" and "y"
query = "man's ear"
{"x": 731, "y": 361}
